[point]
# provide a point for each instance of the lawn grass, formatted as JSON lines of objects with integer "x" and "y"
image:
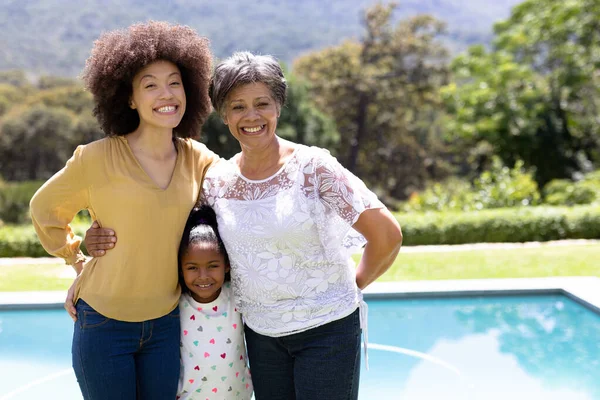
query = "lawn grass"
{"x": 26, "y": 277}
{"x": 572, "y": 260}
{"x": 576, "y": 260}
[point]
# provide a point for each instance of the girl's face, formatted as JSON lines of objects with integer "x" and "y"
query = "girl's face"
{"x": 158, "y": 95}
{"x": 203, "y": 268}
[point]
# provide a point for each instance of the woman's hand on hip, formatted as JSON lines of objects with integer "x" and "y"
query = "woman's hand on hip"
{"x": 98, "y": 240}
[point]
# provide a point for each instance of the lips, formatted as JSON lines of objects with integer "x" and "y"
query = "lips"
{"x": 253, "y": 130}
{"x": 167, "y": 109}
{"x": 203, "y": 286}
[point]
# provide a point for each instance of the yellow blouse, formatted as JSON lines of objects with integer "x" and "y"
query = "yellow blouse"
{"x": 138, "y": 279}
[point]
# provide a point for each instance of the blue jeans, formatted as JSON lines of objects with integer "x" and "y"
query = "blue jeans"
{"x": 321, "y": 363}
{"x": 120, "y": 360}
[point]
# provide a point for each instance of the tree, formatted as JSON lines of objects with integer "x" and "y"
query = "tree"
{"x": 501, "y": 107}
{"x": 560, "y": 40}
{"x": 536, "y": 95}
{"x": 35, "y": 142}
{"x": 301, "y": 121}
{"x": 382, "y": 94}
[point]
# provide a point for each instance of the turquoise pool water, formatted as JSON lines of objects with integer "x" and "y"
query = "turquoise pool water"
{"x": 525, "y": 347}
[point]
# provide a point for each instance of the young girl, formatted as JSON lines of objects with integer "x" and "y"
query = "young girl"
{"x": 213, "y": 353}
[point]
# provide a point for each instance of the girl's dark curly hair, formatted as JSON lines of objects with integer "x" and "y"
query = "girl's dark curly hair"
{"x": 201, "y": 227}
{"x": 118, "y": 55}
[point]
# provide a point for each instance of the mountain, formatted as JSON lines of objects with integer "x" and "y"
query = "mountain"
{"x": 54, "y": 37}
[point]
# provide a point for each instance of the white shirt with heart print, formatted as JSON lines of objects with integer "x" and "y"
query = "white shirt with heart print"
{"x": 213, "y": 353}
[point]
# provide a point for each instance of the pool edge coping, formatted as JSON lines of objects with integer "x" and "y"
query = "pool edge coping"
{"x": 583, "y": 289}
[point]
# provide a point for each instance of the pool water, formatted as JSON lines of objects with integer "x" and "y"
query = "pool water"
{"x": 525, "y": 347}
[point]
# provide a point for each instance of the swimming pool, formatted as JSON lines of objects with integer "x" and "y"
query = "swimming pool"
{"x": 490, "y": 347}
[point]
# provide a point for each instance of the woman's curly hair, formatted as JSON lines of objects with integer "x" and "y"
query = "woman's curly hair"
{"x": 118, "y": 55}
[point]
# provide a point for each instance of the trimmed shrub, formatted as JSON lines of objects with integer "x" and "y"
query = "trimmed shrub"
{"x": 522, "y": 224}
{"x": 22, "y": 241}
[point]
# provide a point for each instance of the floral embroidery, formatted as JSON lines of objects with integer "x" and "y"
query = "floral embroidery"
{"x": 289, "y": 239}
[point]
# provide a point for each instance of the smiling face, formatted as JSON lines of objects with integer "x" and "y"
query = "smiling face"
{"x": 251, "y": 114}
{"x": 203, "y": 268}
{"x": 158, "y": 95}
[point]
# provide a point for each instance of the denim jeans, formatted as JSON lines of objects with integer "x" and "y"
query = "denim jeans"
{"x": 321, "y": 363}
{"x": 120, "y": 360}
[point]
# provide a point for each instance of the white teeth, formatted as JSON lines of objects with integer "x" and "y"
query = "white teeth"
{"x": 204, "y": 286}
{"x": 166, "y": 109}
{"x": 253, "y": 130}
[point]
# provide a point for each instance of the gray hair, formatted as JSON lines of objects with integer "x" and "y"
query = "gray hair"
{"x": 243, "y": 68}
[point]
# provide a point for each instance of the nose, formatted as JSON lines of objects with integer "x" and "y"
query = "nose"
{"x": 166, "y": 93}
{"x": 252, "y": 114}
{"x": 202, "y": 273}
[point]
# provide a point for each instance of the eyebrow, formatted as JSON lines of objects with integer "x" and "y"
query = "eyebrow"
{"x": 152, "y": 76}
{"x": 258, "y": 98}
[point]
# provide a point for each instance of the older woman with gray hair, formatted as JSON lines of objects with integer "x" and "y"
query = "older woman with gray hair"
{"x": 290, "y": 216}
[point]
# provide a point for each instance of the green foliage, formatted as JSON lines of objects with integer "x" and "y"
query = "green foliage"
{"x": 51, "y": 82}
{"x": 505, "y": 187}
{"x": 496, "y": 188}
{"x": 382, "y": 92}
{"x": 35, "y": 142}
{"x": 566, "y": 192}
{"x": 72, "y": 97}
{"x": 522, "y": 224}
{"x": 14, "y": 201}
{"x": 301, "y": 121}
{"x": 22, "y": 241}
{"x": 9, "y": 96}
{"x": 535, "y": 96}
{"x": 40, "y": 128}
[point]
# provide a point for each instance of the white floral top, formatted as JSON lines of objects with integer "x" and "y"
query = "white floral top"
{"x": 289, "y": 238}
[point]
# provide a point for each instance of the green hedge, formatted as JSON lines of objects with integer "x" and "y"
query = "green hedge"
{"x": 14, "y": 200}
{"x": 523, "y": 224}
{"x": 22, "y": 241}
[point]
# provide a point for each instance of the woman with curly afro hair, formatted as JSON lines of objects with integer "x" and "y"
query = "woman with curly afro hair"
{"x": 150, "y": 86}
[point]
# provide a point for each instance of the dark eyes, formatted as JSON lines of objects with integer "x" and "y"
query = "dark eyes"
{"x": 193, "y": 267}
{"x": 152, "y": 85}
{"x": 240, "y": 107}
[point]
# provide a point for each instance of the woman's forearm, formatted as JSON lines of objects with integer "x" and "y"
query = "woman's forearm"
{"x": 377, "y": 258}
{"x": 384, "y": 238}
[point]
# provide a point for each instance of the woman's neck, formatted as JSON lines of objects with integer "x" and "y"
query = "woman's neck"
{"x": 154, "y": 143}
{"x": 262, "y": 163}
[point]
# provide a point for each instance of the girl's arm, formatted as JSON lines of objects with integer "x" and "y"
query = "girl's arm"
{"x": 98, "y": 240}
